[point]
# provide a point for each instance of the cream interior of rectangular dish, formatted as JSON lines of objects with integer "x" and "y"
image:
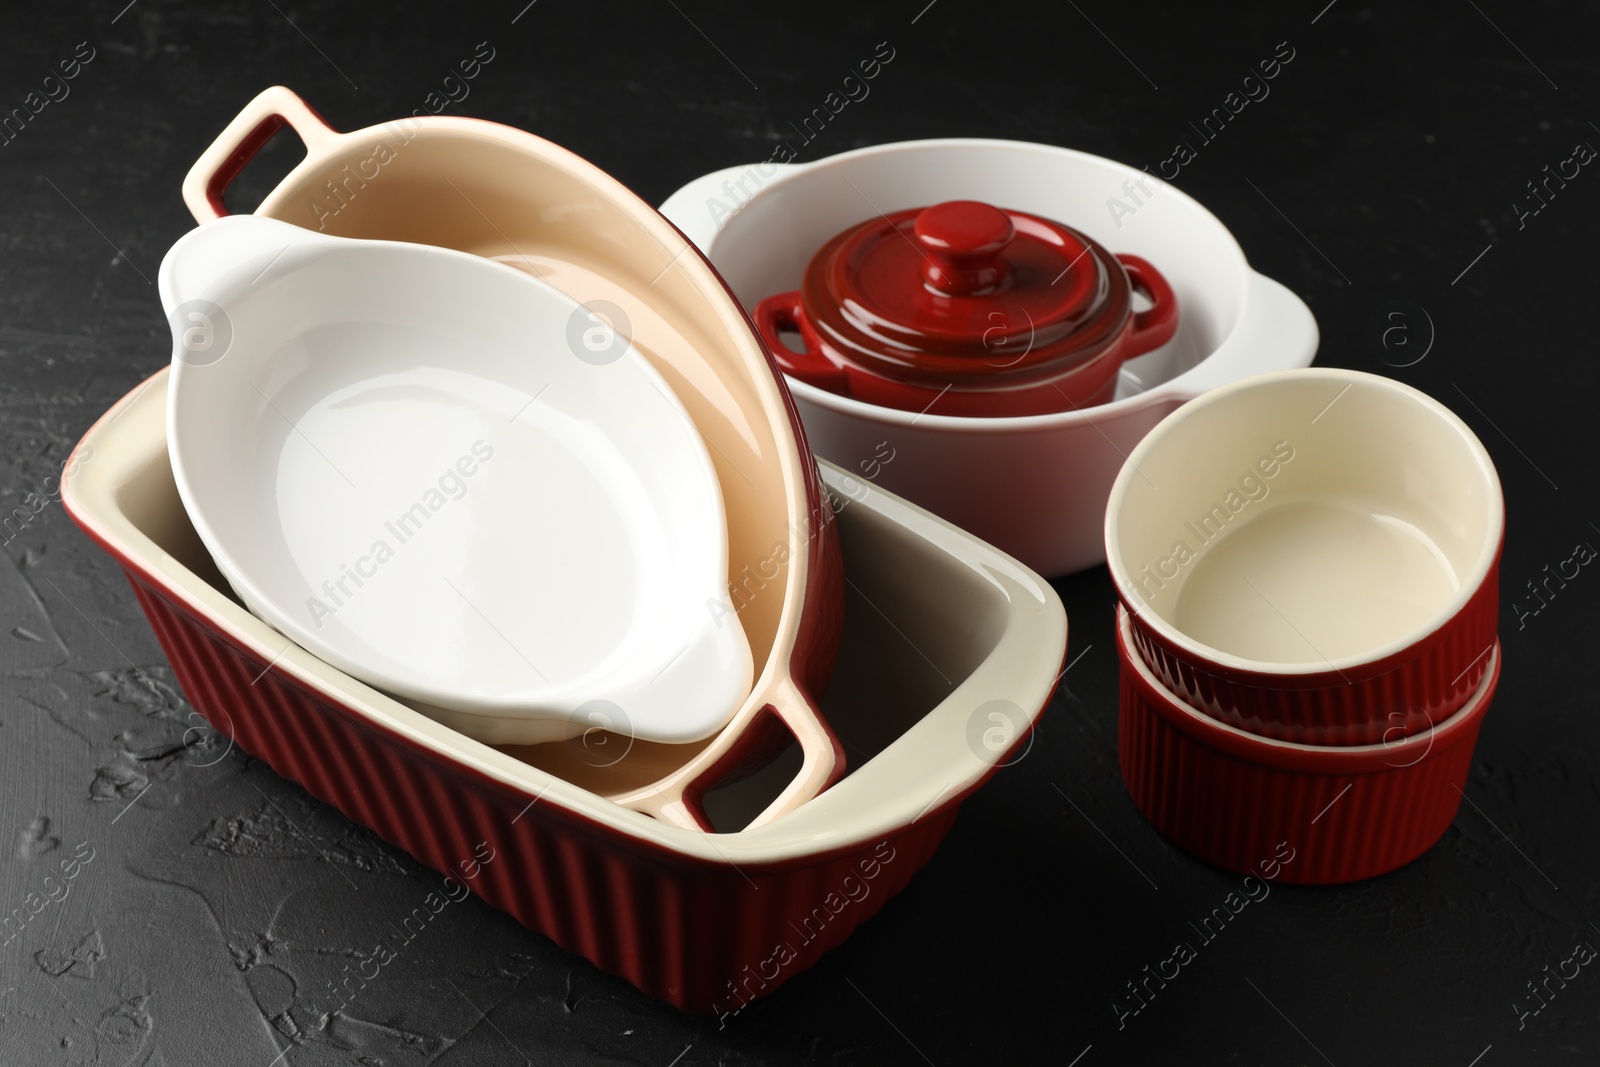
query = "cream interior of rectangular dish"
{"x": 1305, "y": 521}
{"x": 937, "y": 624}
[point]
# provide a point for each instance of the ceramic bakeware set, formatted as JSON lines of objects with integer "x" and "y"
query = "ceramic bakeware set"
{"x": 681, "y": 867}
{"x": 927, "y": 317}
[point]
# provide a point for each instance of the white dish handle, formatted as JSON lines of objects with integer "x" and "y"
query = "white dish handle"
{"x": 225, "y": 247}
{"x": 1276, "y": 332}
{"x": 676, "y": 798}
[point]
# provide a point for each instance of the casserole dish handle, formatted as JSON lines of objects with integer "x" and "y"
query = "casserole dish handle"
{"x": 207, "y": 181}
{"x": 677, "y": 798}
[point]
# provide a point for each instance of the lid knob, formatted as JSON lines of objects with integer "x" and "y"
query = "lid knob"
{"x": 963, "y": 241}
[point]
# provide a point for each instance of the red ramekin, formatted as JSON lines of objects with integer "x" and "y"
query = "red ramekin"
{"x": 1239, "y": 801}
{"x": 1254, "y": 513}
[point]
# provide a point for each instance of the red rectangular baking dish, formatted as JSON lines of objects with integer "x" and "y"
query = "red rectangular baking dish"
{"x": 951, "y": 650}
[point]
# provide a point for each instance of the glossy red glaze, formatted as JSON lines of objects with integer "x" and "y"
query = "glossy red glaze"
{"x": 1235, "y": 800}
{"x": 966, "y": 309}
{"x": 963, "y": 243}
{"x": 1381, "y": 701}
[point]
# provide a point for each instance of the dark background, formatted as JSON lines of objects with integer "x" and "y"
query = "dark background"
{"x": 1397, "y": 142}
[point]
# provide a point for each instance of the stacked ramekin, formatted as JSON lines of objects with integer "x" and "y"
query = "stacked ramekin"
{"x": 1308, "y": 568}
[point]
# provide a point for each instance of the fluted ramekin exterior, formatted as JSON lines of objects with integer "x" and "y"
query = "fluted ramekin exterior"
{"x": 1237, "y": 800}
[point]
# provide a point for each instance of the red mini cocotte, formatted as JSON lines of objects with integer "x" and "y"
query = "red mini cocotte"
{"x": 966, "y": 309}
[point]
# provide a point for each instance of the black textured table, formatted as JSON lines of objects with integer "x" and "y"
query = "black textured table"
{"x": 164, "y": 903}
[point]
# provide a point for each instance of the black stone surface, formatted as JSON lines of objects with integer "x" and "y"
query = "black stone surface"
{"x": 1387, "y": 165}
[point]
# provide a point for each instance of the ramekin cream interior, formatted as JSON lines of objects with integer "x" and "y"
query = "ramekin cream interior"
{"x": 1303, "y": 521}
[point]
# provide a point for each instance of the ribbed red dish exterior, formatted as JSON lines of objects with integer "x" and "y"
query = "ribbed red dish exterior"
{"x": 699, "y": 935}
{"x": 1415, "y": 688}
{"x": 1231, "y": 800}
